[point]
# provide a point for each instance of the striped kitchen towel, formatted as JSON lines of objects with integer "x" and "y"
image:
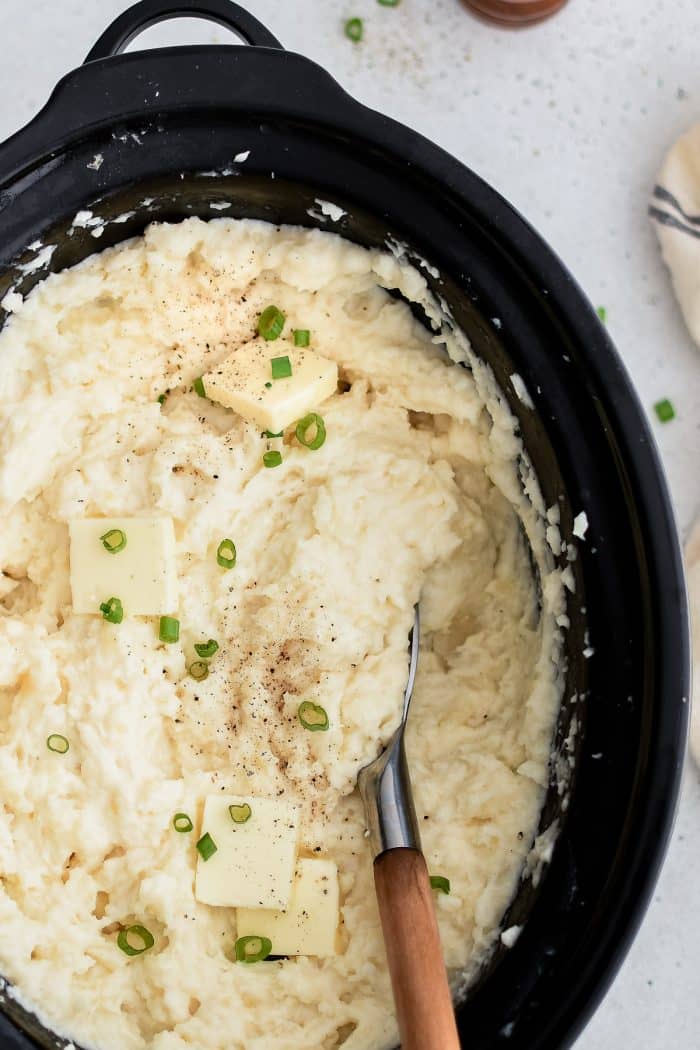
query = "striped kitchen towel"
{"x": 675, "y": 212}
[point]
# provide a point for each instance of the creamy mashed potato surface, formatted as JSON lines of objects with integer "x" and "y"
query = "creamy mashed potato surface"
{"x": 417, "y": 492}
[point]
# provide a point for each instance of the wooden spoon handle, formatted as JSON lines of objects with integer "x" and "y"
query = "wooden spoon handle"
{"x": 418, "y": 976}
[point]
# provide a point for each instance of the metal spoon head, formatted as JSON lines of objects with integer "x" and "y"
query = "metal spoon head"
{"x": 385, "y": 785}
{"x": 413, "y": 647}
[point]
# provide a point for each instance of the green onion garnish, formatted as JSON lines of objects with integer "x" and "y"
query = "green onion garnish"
{"x": 268, "y": 386}
{"x": 273, "y": 458}
{"x": 112, "y": 610}
{"x": 602, "y": 314}
{"x": 199, "y": 670}
{"x": 312, "y": 716}
{"x": 389, "y": 3}
{"x": 162, "y": 397}
{"x": 226, "y": 554}
{"x": 206, "y": 649}
{"x": 315, "y": 424}
{"x": 142, "y": 936}
{"x": 206, "y": 847}
{"x": 281, "y": 367}
{"x": 198, "y": 387}
{"x": 169, "y": 629}
{"x": 271, "y": 323}
{"x": 269, "y": 434}
{"x": 440, "y": 883}
{"x": 182, "y": 823}
{"x": 240, "y": 814}
{"x": 665, "y": 410}
{"x": 58, "y": 743}
{"x": 114, "y": 541}
{"x": 252, "y": 949}
{"x": 353, "y": 29}
{"x": 302, "y": 336}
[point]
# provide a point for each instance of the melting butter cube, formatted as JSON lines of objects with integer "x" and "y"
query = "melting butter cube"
{"x": 244, "y": 382}
{"x": 142, "y": 575}
{"x": 253, "y": 866}
{"x": 308, "y": 926}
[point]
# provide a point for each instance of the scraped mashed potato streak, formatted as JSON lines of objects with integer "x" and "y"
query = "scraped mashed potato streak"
{"x": 416, "y": 492}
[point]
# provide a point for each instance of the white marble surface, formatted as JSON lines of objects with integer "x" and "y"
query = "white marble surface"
{"x": 569, "y": 121}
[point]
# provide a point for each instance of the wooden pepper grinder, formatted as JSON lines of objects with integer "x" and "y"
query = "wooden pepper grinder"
{"x": 515, "y": 12}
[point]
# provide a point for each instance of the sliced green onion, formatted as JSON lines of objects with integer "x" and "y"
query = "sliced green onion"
{"x": 143, "y": 937}
{"x": 240, "y": 813}
{"x": 665, "y": 410}
{"x": 112, "y": 610}
{"x": 169, "y": 629}
{"x": 302, "y": 336}
{"x": 226, "y": 554}
{"x": 198, "y": 387}
{"x": 269, "y": 434}
{"x": 199, "y": 670}
{"x": 281, "y": 367}
{"x": 440, "y": 883}
{"x": 268, "y": 386}
{"x": 206, "y": 847}
{"x": 602, "y": 314}
{"x": 313, "y": 716}
{"x": 182, "y": 823}
{"x": 206, "y": 649}
{"x": 273, "y": 458}
{"x": 162, "y": 397}
{"x": 114, "y": 541}
{"x": 58, "y": 743}
{"x": 271, "y": 323}
{"x": 253, "y": 949}
{"x": 353, "y": 29}
{"x": 312, "y": 422}
{"x": 389, "y": 3}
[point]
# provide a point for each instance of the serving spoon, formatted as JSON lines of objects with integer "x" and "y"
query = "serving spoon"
{"x": 414, "y": 953}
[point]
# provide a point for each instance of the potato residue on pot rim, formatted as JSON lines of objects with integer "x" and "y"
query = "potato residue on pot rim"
{"x": 419, "y": 489}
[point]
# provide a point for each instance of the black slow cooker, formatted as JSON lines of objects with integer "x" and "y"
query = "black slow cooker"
{"x": 160, "y": 135}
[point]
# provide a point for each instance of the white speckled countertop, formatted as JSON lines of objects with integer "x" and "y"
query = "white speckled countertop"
{"x": 569, "y": 121}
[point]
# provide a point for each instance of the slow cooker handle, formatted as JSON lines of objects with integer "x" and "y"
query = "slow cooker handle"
{"x": 148, "y": 12}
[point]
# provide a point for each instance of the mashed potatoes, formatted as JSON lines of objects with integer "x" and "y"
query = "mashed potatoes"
{"x": 414, "y": 494}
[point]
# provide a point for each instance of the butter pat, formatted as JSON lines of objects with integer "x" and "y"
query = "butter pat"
{"x": 253, "y": 866}
{"x": 309, "y": 925}
{"x": 243, "y": 382}
{"x": 142, "y": 575}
